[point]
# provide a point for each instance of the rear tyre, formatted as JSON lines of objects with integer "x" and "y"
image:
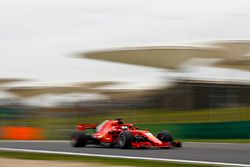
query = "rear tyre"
{"x": 125, "y": 139}
{"x": 79, "y": 139}
{"x": 165, "y": 136}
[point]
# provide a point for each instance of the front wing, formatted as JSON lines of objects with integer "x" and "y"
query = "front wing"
{"x": 148, "y": 144}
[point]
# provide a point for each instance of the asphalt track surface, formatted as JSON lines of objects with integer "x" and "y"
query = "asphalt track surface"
{"x": 211, "y": 152}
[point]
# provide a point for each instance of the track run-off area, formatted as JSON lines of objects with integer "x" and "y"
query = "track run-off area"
{"x": 226, "y": 154}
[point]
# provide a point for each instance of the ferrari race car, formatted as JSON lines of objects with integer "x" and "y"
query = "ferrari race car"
{"x": 114, "y": 133}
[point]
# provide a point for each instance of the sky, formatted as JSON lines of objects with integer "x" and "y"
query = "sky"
{"x": 39, "y": 37}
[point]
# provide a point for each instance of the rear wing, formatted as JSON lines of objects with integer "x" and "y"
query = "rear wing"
{"x": 83, "y": 127}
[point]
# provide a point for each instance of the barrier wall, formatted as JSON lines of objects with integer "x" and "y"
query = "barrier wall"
{"x": 222, "y": 130}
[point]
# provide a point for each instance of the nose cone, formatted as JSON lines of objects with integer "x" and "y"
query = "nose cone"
{"x": 152, "y": 138}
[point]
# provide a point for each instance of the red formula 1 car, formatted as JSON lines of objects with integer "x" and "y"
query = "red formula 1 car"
{"x": 115, "y": 133}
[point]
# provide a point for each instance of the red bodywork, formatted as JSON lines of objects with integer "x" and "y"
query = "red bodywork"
{"x": 109, "y": 130}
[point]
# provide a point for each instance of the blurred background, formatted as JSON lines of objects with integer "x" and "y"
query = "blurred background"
{"x": 165, "y": 64}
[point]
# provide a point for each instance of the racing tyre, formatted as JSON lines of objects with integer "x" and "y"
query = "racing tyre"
{"x": 165, "y": 136}
{"x": 79, "y": 139}
{"x": 125, "y": 139}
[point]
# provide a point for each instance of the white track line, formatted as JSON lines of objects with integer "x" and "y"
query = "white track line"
{"x": 126, "y": 157}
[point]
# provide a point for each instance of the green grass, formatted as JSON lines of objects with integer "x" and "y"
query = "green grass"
{"x": 148, "y": 116}
{"x": 106, "y": 161}
{"x": 159, "y": 116}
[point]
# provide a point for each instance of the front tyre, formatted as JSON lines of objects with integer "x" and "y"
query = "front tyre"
{"x": 165, "y": 136}
{"x": 125, "y": 139}
{"x": 79, "y": 139}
